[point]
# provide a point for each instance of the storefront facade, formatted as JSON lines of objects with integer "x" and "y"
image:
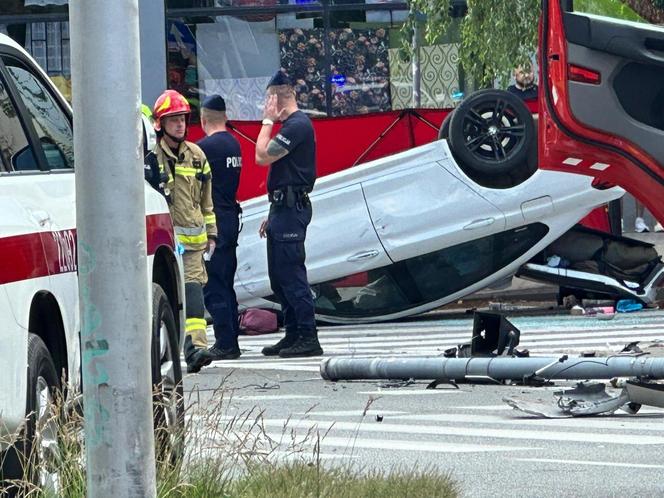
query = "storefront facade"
{"x": 344, "y": 56}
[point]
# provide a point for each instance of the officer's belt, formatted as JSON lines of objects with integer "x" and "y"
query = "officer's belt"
{"x": 289, "y": 196}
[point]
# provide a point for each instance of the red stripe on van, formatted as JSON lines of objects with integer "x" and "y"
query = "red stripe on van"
{"x": 36, "y": 255}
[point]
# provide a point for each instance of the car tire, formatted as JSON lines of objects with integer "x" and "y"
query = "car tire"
{"x": 168, "y": 398}
{"x": 491, "y": 133}
{"x": 23, "y": 461}
{"x": 444, "y": 131}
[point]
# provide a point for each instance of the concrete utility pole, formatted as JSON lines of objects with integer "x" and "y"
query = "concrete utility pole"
{"x": 113, "y": 275}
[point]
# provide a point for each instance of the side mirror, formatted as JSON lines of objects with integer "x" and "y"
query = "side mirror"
{"x": 24, "y": 160}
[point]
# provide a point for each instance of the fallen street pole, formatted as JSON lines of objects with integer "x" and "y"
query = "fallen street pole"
{"x": 113, "y": 274}
{"x": 497, "y": 368}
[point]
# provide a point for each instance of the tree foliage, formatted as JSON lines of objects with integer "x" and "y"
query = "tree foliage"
{"x": 496, "y": 35}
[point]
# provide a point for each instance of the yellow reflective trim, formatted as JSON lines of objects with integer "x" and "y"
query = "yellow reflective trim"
{"x": 210, "y": 219}
{"x": 193, "y": 239}
{"x": 192, "y": 324}
{"x": 206, "y": 168}
{"x": 184, "y": 171}
{"x": 165, "y": 105}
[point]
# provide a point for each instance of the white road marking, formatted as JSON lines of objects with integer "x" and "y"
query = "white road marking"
{"x": 427, "y": 392}
{"x": 588, "y": 462}
{"x": 274, "y": 397}
{"x": 572, "y": 161}
{"x": 353, "y": 443}
{"x": 611, "y": 423}
{"x": 551, "y": 333}
{"x": 600, "y": 166}
{"x": 438, "y": 430}
{"x": 352, "y": 413}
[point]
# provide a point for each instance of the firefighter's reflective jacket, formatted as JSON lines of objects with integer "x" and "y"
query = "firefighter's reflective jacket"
{"x": 187, "y": 185}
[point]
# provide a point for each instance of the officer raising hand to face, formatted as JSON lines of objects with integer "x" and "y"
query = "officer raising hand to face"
{"x": 291, "y": 157}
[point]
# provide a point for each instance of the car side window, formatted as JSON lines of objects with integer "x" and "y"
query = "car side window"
{"x": 15, "y": 151}
{"x": 48, "y": 119}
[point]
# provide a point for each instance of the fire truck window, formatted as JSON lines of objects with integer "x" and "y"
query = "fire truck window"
{"x": 48, "y": 119}
{"x": 15, "y": 152}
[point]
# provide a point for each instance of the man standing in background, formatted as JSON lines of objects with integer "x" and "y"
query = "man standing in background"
{"x": 223, "y": 153}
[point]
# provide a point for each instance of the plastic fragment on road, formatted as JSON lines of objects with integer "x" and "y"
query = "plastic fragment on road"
{"x": 628, "y": 306}
{"x": 592, "y": 399}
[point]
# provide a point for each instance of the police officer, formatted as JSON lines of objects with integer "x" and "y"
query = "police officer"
{"x": 291, "y": 156}
{"x": 223, "y": 152}
{"x": 186, "y": 183}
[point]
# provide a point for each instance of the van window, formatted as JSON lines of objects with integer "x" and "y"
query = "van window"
{"x": 48, "y": 118}
{"x": 15, "y": 151}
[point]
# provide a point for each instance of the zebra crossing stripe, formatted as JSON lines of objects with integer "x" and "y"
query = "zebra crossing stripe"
{"x": 536, "y": 434}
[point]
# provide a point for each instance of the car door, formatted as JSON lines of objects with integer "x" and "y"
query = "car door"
{"x": 24, "y": 223}
{"x": 602, "y": 108}
{"x": 422, "y": 208}
{"x": 47, "y": 120}
{"x": 341, "y": 240}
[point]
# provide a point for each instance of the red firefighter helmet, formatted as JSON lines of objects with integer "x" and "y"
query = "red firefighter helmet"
{"x": 169, "y": 103}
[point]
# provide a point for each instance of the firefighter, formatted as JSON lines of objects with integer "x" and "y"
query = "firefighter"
{"x": 187, "y": 186}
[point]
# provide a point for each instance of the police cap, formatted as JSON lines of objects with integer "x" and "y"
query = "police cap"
{"x": 214, "y": 103}
{"x": 280, "y": 79}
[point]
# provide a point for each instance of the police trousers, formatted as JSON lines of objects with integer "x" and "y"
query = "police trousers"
{"x": 286, "y": 234}
{"x": 220, "y": 298}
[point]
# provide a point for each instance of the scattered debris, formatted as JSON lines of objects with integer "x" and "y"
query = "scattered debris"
{"x": 588, "y": 399}
{"x": 628, "y": 306}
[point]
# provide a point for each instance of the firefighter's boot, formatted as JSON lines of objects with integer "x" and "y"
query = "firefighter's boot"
{"x": 196, "y": 358}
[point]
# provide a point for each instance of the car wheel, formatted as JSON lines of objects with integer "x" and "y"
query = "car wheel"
{"x": 168, "y": 399}
{"x": 33, "y": 458}
{"x": 444, "y": 131}
{"x": 490, "y": 134}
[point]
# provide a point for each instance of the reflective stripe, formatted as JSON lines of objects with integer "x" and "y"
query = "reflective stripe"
{"x": 193, "y": 239}
{"x": 206, "y": 168}
{"x": 191, "y": 236}
{"x": 189, "y": 230}
{"x": 185, "y": 171}
{"x": 195, "y": 324}
{"x": 210, "y": 219}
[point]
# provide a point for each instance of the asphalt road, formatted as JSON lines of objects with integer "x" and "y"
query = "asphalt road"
{"x": 469, "y": 432}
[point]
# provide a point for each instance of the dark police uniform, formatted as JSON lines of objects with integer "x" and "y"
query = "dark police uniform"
{"x": 224, "y": 156}
{"x": 289, "y": 181}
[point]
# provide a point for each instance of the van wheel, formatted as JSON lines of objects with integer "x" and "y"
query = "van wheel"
{"x": 490, "y": 134}
{"x": 33, "y": 457}
{"x": 168, "y": 399}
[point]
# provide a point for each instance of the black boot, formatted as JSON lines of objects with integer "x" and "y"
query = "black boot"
{"x": 287, "y": 341}
{"x": 306, "y": 345}
{"x": 224, "y": 353}
{"x": 196, "y": 358}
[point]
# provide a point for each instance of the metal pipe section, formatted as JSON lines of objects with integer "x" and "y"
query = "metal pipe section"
{"x": 113, "y": 275}
{"x": 501, "y": 368}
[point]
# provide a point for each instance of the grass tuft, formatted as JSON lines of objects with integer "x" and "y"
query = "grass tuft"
{"x": 230, "y": 454}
